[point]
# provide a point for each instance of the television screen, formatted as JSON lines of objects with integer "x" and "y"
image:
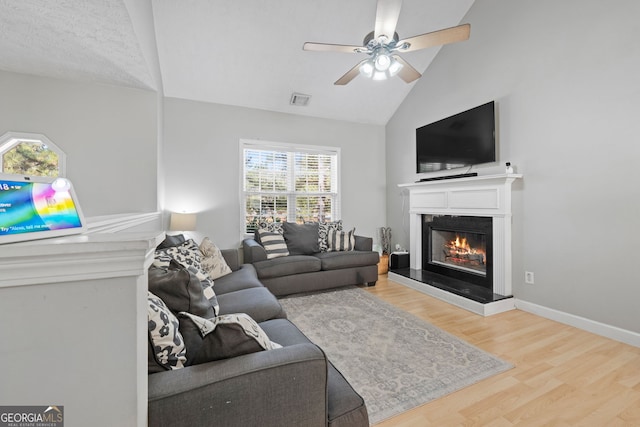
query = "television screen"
{"x": 465, "y": 139}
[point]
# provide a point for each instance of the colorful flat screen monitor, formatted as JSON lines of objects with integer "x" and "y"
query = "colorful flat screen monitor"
{"x": 37, "y": 208}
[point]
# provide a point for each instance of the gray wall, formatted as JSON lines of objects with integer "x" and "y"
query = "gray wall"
{"x": 565, "y": 79}
{"x": 108, "y": 133}
{"x": 202, "y": 165}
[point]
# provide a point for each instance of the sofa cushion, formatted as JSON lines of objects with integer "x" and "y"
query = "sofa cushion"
{"x": 338, "y": 260}
{"x": 301, "y": 239}
{"x": 273, "y": 243}
{"x": 323, "y": 233}
{"x": 166, "y": 341}
{"x": 213, "y": 263}
{"x": 345, "y": 406}
{"x": 258, "y": 303}
{"x": 226, "y": 336}
{"x": 293, "y": 264}
{"x": 341, "y": 240}
{"x": 244, "y": 277}
{"x": 179, "y": 289}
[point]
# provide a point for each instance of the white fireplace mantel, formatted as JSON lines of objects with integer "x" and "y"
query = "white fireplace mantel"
{"x": 485, "y": 196}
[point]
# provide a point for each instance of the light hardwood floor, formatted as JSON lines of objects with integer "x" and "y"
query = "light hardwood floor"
{"x": 563, "y": 376}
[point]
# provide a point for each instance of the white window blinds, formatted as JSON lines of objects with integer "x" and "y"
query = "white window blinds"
{"x": 294, "y": 183}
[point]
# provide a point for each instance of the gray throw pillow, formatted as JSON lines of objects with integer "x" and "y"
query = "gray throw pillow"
{"x": 222, "y": 337}
{"x": 171, "y": 241}
{"x": 188, "y": 255}
{"x": 179, "y": 289}
{"x": 301, "y": 239}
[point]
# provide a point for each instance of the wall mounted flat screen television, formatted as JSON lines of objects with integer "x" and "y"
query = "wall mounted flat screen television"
{"x": 464, "y": 139}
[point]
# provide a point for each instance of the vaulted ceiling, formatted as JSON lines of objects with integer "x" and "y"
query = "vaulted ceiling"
{"x": 245, "y": 53}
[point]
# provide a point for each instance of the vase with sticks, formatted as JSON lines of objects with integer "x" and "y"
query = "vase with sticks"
{"x": 385, "y": 243}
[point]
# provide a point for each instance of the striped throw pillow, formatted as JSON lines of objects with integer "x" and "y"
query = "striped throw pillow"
{"x": 273, "y": 243}
{"x": 341, "y": 240}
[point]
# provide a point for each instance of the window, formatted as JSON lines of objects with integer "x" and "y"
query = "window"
{"x": 294, "y": 183}
{"x": 30, "y": 154}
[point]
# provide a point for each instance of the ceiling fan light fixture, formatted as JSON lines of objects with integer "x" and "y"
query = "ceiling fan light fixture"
{"x": 382, "y": 62}
{"x": 383, "y": 44}
{"x": 366, "y": 69}
{"x": 395, "y": 67}
{"x": 380, "y": 69}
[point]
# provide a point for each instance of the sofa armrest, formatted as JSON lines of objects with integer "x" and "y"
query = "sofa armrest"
{"x": 363, "y": 243}
{"x": 253, "y": 251}
{"x": 232, "y": 257}
{"x": 286, "y": 386}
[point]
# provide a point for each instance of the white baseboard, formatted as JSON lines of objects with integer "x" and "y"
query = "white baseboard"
{"x": 598, "y": 328}
{"x": 602, "y": 329}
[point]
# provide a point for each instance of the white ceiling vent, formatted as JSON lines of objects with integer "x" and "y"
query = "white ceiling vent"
{"x": 299, "y": 99}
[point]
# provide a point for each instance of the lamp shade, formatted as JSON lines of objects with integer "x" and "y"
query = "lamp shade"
{"x": 182, "y": 222}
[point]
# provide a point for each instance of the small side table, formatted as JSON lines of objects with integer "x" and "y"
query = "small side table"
{"x": 399, "y": 260}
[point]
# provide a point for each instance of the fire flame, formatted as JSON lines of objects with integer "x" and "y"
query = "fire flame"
{"x": 460, "y": 247}
{"x": 461, "y": 244}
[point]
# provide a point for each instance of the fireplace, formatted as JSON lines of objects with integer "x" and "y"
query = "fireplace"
{"x": 460, "y": 241}
{"x": 460, "y": 247}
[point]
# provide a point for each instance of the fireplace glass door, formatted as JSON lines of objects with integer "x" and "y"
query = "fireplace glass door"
{"x": 460, "y": 247}
{"x": 460, "y": 250}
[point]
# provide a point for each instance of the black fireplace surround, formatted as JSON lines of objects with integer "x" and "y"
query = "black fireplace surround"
{"x": 475, "y": 269}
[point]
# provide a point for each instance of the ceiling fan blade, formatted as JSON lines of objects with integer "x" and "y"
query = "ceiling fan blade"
{"x": 387, "y": 15}
{"x": 407, "y": 72}
{"x": 437, "y": 38}
{"x": 325, "y": 47}
{"x": 350, "y": 75}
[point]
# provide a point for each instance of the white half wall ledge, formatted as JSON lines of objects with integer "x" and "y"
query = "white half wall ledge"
{"x": 75, "y": 282}
{"x": 593, "y": 326}
{"x": 139, "y": 221}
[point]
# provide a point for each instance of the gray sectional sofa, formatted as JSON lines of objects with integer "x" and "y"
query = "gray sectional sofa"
{"x": 290, "y": 386}
{"x": 308, "y": 268}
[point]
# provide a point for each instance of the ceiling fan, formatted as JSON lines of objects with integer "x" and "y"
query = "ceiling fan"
{"x": 383, "y": 45}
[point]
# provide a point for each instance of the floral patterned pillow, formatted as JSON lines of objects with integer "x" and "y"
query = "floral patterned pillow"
{"x": 323, "y": 233}
{"x": 168, "y": 345}
{"x": 212, "y": 261}
{"x": 271, "y": 226}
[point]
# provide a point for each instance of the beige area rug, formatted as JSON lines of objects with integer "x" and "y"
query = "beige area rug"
{"x": 395, "y": 360}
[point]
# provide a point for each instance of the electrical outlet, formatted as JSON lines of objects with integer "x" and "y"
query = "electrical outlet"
{"x": 528, "y": 277}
